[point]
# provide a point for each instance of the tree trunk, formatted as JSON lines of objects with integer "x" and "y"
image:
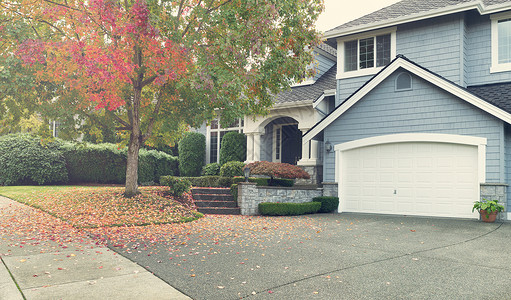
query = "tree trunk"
{"x": 131, "y": 188}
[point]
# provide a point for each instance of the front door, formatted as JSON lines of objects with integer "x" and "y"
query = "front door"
{"x": 287, "y": 144}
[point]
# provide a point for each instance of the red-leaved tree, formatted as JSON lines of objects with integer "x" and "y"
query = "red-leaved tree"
{"x": 157, "y": 66}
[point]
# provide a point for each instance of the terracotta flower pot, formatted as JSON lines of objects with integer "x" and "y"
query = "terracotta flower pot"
{"x": 488, "y": 218}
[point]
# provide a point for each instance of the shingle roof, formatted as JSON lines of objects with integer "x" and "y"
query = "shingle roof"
{"x": 310, "y": 92}
{"x": 498, "y": 94}
{"x": 410, "y": 7}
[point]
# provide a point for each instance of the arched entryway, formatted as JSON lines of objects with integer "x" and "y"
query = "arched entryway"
{"x": 282, "y": 141}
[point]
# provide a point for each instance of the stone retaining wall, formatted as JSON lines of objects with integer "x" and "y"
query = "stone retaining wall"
{"x": 250, "y": 195}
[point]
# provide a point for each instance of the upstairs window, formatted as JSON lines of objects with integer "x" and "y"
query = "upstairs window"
{"x": 365, "y": 55}
{"x": 501, "y": 42}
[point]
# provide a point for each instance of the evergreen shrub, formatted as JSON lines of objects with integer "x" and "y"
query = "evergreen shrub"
{"x": 192, "y": 150}
{"x": 24, "y": 159}
{"x": 328, "y": 204}
{"x": 177, "y": 185}
{"x": 212, "y": 169}
{"x": 232, "y": 168}
{"x": 233, "y": 147}
{"x": 288, "y": 209}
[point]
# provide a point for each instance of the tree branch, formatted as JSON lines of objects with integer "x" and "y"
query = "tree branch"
{"x": 156, "y": 110}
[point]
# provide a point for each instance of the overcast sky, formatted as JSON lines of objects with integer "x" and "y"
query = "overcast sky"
{"x": 338, "y": 12}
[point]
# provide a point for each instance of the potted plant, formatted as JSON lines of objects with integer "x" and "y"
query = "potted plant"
{"x": 488, "y": 209}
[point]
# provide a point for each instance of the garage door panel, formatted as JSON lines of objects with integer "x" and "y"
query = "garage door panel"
{"x": 415, "y": 178}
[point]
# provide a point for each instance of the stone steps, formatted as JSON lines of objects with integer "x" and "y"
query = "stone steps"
{"x": 218, "y": 201}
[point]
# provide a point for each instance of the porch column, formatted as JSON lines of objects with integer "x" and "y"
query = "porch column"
{"x": 257, "y": 146}
{"x": 250, "y": 147}
{"x": 310, "y": 151}
{"x": 314, "y": 150}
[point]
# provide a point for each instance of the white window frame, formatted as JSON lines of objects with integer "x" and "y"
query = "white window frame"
{"x": 341, "y": 74}
{"x": 219, "y": 130}
{"x": 396, "y": 89}
{"x": 495, "y": 66}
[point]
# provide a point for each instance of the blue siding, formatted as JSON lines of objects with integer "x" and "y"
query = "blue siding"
{"x": 508, "y": 164}
{"x": 346, "y": 87}
{"x": 479, "y": 52}
{"x": 322, "y": 65}
{"x": 435, "y": 44}
{"x": 423, "y": 109}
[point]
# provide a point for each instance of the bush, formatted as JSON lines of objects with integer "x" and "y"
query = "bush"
{"x": 25, "y": 160}
{"x": 288, "y": 209}
{"x": 192, "y": 150}
{"x": 233, "y": 147}
{"x": 212, "y": 169}
{"x": 277, "y": 170}
{"x": 106, "y": 163}
{"x": 232, "y": 168}
{"x": 328, "y": 204}
{"x": 178, "y": 186}
{"x": 210, "y": 181}
{"x": 234, "y": 191}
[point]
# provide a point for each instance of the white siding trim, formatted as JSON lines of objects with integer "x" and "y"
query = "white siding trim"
{"x": 418, "y": 71}
{"x": 495, "y": 66}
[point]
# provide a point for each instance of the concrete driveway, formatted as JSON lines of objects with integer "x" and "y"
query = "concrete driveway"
{"x": 335, "y": 256}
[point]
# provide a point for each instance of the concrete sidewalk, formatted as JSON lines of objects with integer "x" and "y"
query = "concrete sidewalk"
{"x": 38, "y": 262}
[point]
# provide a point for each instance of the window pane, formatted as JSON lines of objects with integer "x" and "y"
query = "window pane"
{"x": 350, "y": 56}
{"x": 277, "y": 143}
{"x": 504, "y": 41}
{"x": 366, "y": 53}
{"x": 213, "y": 152}
{"x": 382, "y": 50}
{"x": 403, "y": 82}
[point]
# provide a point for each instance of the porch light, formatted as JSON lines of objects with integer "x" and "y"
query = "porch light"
{"x": 246, "y": 172}
{"x": 328, "y": 146}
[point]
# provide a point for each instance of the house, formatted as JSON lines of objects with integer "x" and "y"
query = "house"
{"x": 422, "y": 118}
{"x": 277, "y": 137}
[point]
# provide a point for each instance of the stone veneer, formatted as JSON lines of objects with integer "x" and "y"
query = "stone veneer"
{"x": 250, "y": 195}
{"x": 495, "y": 191}
{"x": 315, "y": 172}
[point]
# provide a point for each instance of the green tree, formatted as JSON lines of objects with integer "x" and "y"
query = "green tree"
{"x": 155, "y": 66}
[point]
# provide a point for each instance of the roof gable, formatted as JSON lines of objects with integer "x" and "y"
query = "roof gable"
{"x": 402, "y": 62}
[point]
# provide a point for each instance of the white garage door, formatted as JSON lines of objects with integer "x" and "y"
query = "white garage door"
{"x": 410, "y": 178}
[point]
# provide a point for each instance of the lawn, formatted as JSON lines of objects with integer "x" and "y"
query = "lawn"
{"x": 93, "y": 207}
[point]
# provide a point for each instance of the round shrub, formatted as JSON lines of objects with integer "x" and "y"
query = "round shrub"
{"x": 328, "y": 204}
{"x": 177, "y": 186}
{"x": 192, "y": 150}
{"x": 232, "y": 168}
{"x": 233, "y": 147}
{"x": 25, "y": 160}
{"x": 212, "y": 169}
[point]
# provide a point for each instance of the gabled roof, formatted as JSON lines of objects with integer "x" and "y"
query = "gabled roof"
{"x": 309, "y": 92}
{"x": 433, "y": 78}
{"x": 413, "y": 10}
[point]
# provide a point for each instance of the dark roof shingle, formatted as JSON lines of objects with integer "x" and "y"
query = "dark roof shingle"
{"x": 498, "y": 94}
{"x": 310, "y": 92}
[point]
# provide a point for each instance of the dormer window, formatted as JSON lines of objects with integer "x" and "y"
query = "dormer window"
{"x": 500, "y": 43}
{"x": 365, "y": 54}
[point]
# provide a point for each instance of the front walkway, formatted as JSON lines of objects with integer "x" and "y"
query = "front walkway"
{"x": 48, "y": 259}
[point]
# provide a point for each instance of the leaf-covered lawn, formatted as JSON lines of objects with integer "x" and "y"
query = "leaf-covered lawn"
{"x": 91, "y": 207}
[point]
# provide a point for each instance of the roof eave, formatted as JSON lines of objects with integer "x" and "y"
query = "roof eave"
{"x": 414, "y": 17}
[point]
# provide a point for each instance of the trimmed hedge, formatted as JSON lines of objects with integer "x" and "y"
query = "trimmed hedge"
{"x": 177, "y": 185}
{"x": 232, "y": 168}
{"x": 25, "y": 160}
{"x": 212, "y": 169}
{"x": 328, "y": 204}
{"x": 192, "y": 150}
{"x": 233, "y": 147}
{"x": 210, "y": 181}
{"x": 106, "y": 163}
{"x": 288, "y": 209}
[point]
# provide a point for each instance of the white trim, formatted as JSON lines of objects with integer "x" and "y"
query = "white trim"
{"x": 341, "y": 74}
{"x": 495, "y": 65}
{"x": 303, "y": 83}
{"x": 331, "y": 92}
{"x": 293, "y": 104}
{"x": 414, "y": 17}
{"x": 418, "y": 71}
{"x": 318, "y": 101}
{"x": 274, "y": 146}
{"x": 508, "y": 216}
